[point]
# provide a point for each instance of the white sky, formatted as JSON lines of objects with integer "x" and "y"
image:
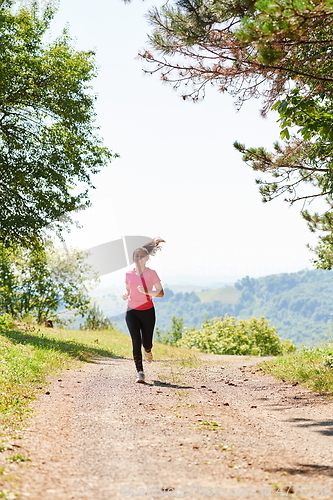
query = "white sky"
{"x": 179, "y": 176}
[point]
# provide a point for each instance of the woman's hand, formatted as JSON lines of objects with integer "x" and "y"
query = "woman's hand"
{"x": 125, "y": 296}
{"x": 141, "y": 289}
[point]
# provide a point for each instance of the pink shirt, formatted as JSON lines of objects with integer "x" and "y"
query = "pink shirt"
{"x": 147, "y": 279}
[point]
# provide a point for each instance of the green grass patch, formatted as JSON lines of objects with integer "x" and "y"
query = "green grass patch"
{"x": 313, "y": 368}
{"x": 18, "y": 458}
{"x": 7, "y": 495}
{"x": 28, "y": 357}
{"x": 211, "y": 426}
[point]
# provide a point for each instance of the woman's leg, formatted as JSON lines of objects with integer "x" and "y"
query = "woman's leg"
{"x": 134, "y": 327}
{"x": 148, "y": 319}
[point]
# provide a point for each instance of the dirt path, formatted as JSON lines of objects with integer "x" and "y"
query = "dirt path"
{"x": 217, "y": 431}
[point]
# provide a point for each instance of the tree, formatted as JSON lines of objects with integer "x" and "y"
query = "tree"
{"x": 175, "y": 334}
{"x": 172, "y": 336}
{"x": 278, "y": 50}
{"x": 49, "y": 145}
{"x": 96, "y": 320}
{"x": 42, "y": 280}
{"x": 243, "y": 47}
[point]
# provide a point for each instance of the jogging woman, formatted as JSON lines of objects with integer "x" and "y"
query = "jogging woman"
{"x": 142, "y": 283}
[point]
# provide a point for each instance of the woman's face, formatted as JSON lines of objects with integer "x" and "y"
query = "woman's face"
{"x": 140, "y": 257}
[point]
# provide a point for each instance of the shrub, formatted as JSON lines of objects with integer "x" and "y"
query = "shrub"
{"x": 227, "y": 335}
{"x": 6, "y": 322}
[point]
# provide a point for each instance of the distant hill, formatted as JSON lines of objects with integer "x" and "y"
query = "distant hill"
{"x": 226, "y": 295}
{"x": 299, "y": 305}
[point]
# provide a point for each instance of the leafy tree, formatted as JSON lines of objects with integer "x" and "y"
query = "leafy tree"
{"x": 158, "y": 334}
{"x": 49, "y": 144}
{"x": 39, "y": 281}
{"x": 280, "y": 51}
{"x": 96, "y": 320}
{"x": 175, "y": 333}
{"x": 172, "y": 335}
{"x": 305, "y": 159}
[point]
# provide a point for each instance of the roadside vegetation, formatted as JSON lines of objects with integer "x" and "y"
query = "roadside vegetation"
{"x": 228, "y": 335}
{"x": 313, "y": 368}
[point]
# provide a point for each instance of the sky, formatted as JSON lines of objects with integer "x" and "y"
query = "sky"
{"x": 178, "y": 175}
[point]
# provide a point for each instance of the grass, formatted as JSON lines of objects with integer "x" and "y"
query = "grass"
{"x": 223, "y": 447}
{"x": 313, "y": 368}
{"x": 27, "y": 358}
{"x": 185, "y": 406}
{"x": 211, "y": 426}
{"x": 18, "y": 458}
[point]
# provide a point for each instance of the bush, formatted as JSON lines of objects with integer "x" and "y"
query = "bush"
{"x": 227, "y": 335}
{"x": 6, "y": 322}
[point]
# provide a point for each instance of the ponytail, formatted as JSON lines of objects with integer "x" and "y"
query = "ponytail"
{"x": 153, "y": 246}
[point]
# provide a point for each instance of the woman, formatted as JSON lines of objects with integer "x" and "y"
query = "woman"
{"x": 142, "y": 283}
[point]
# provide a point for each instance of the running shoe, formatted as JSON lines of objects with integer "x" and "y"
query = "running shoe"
{"x": 149, "y": 356}
{"x": 140, "y": 378}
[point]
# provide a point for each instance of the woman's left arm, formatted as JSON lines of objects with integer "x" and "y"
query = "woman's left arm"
{"x": 158, "y": 292}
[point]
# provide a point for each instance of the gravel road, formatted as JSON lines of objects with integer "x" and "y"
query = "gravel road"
{"x": 221, "y": 430}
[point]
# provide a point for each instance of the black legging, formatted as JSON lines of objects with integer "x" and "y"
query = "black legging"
{"x": 141, "y": 327}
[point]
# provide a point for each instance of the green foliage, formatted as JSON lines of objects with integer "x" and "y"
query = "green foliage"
{"x": 39, "y": 281}
{"x": 299, "y": 34}
{"x": 173, "y": 335}
{"x": 311, "y": 367}
{"x": 304, "y": 159}
{"x": 236, "y": 44}
{"x": 329, "y": 360}
{"x": 96, "y": 320}
{"x": 49, "y": 144}
{"x": 281, "y": 51}
{"x": 227, "y": 335}
{"x": 6, "y": 322}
